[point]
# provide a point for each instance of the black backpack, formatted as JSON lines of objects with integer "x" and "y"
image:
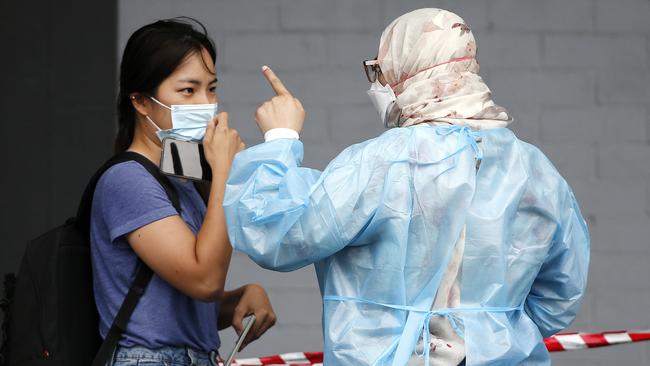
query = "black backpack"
{"x": 53, "y": 318}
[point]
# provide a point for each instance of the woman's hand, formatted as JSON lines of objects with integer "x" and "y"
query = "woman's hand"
{"x": 220, "y": 144}
{"x": 253, "y": 300}
{"x": 282, "y": 111}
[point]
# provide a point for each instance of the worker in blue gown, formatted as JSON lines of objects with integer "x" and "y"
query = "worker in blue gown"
{"x": 445, "y": 240}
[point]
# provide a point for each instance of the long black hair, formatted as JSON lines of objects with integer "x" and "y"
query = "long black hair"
{"x": 151, "y": 54}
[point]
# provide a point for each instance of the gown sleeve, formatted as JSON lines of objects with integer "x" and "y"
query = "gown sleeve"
{"x": 284, "y": 216}
{"x": 559, "y": 287}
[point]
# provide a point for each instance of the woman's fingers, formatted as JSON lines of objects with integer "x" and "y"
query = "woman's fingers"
{"x": 275, "y": 81}
{"x": 251, "y": 336}
{"x": 222, "y": 120}
{"x": 265, "y": 319}
{"x": 298, "y": 103}
{"x": 237, "y": 317}
{"x": 209, "y": 131}
{"x": 268, "y": 321}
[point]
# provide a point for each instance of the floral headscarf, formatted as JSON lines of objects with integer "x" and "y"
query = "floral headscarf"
{"x": 428, "y": 57}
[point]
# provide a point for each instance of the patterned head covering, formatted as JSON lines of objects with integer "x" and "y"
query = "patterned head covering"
{"x": 428, "y": 57}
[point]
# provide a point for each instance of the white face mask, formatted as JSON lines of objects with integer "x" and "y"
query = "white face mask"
{"x": 189, "y": 121}
{"x": 385, "y": 102}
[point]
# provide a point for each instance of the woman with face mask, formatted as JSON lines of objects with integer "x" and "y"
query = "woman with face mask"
{"x": 168, "y": 89}
{"x": 445, "y": 240}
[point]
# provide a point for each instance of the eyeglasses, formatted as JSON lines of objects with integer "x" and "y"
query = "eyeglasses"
{"x": 371, "y": 68}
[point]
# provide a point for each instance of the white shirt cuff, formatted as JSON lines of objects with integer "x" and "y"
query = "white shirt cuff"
{"x": 280, "y": 133}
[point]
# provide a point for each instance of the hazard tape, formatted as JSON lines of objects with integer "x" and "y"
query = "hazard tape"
{"x": 557, "y": 343}
{"x": 294, "y": 359}
{"x": 572, "y": 341}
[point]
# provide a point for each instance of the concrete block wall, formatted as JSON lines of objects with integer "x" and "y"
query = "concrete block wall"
{"x": 575, "y": 75}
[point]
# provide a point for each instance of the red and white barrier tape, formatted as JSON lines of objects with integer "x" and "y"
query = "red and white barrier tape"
{"x": 572, "y": 341}
{"x": 556, "y": 343}
{"x": 294, "y": 359}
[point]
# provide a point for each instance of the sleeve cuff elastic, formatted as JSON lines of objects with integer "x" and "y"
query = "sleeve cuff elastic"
{"x": 280, "y": 133}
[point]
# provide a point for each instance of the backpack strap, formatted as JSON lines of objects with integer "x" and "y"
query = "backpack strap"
{"x": 144, "y": 273}
{"x": 137, "y": 289}
{"x": 85, "y": 206}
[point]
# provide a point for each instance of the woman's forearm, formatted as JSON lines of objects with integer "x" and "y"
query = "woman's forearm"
{"x": 213, "y": 250}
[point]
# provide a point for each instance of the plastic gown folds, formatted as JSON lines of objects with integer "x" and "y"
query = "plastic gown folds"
{"x": 380, "y": 224}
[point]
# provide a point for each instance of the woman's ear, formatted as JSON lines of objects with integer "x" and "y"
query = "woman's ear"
{"x": 141, "y": 104}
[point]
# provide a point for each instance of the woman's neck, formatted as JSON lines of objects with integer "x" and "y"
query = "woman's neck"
{"x": 143, "y": 144}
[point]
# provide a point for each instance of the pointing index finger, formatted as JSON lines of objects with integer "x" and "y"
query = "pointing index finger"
{"x": 275, "y": 82}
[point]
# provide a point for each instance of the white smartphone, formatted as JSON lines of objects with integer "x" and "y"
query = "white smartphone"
{"x": 184, "y": 159}
{"x": 248, "y": 324}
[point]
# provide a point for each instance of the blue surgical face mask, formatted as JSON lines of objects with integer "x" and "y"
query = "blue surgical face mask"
{"x": 189, "y": 121}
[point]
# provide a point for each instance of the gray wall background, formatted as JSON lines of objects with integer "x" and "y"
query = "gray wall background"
{"x": 575, "y": 75}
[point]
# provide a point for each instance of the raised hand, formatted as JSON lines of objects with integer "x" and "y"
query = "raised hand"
{"x": 281, "y": 111}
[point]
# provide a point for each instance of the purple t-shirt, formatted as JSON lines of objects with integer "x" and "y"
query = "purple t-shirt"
{"x": 127, "y": 197}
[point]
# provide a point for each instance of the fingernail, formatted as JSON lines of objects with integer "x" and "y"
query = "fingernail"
{"x": 264, "y": 68}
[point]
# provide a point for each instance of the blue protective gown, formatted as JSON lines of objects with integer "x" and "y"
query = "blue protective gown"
{"x": 381, "y": 221}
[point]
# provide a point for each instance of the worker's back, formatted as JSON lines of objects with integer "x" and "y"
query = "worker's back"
{"x": 505, "y": 243}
